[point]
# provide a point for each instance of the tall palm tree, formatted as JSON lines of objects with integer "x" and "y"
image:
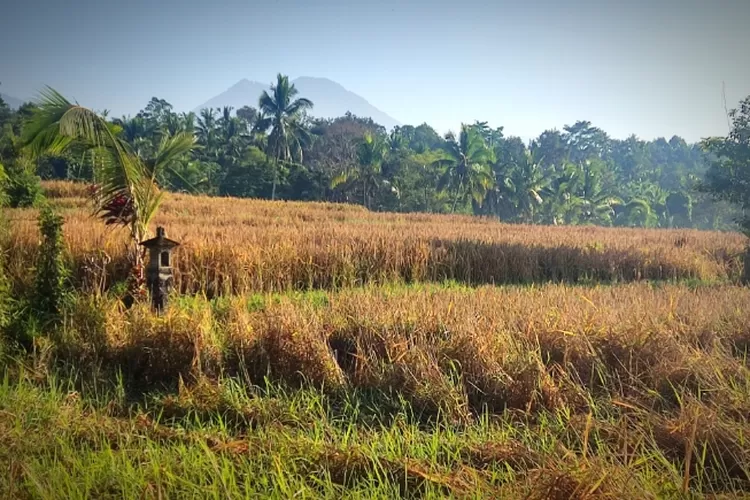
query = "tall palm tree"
{"x": 527, "y": 183}
{"x": 599, "y": 202}
{"x": 563, "y": 203}
{"x": 187, "y": 122}
{"x": 371, "y": 155}
{"x": 283, "y": 113}
{"x": 467, "y": 162}
{"x": 235, "y": 137}
{"x": 138, "y": 132}
{"x": 207, "y": 131}
{"x": 127, "y": 192}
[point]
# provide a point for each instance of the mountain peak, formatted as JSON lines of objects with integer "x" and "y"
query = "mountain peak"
{"x": 244, "y": 83}
{"x": 330, "y": 99}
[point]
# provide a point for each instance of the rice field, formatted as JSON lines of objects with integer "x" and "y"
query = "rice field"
{"x": 323, "y": 351}
{"x": 239, "y": 246}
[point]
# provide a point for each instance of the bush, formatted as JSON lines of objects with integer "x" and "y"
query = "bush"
{"x": 23, "y": 189}
{"x": 29, "y": 316}
{"x": 4, "y": 202}
{"x": 6, "y": 298}
{"x": 8, "y": 306}
{"x": 6, "y": 311}
{"x": 51, "y": 272}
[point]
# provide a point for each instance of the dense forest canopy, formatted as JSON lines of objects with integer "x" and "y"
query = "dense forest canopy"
{"x": 273, "y": 149}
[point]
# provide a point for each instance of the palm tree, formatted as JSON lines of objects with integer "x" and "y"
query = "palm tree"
{"x": 526, "y": 184}
{"x": 138, "y": 132}
{"x": 187, "y": 122}
{"x": 467, "y": 160}
{"x": 371, "y": 154}
{"x": 283, "y": 114}
{"x": 636, "y": 213}
{"x": 207, "y": 133}
{"x": 235, "y": 137}
{"x": 577, "y": 194}
{"x": 564, "y": 203}
{"x": 598, "y": 200}
{"x": 127, "y": 192}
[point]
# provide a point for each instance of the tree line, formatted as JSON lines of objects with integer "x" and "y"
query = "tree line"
{"x": 276, "y": 150}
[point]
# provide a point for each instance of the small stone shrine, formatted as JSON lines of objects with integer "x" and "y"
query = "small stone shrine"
{"x": 159, "y": 278}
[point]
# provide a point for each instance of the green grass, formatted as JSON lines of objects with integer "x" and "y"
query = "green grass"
{"x": 321, "y": 298}
{"x": 62, "y": 439}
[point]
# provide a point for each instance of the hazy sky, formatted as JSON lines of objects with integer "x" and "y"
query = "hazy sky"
{"x": 654, "y": 68}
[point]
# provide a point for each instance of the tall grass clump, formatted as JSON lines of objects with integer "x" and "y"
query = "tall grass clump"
{"x": 453, "y": 352}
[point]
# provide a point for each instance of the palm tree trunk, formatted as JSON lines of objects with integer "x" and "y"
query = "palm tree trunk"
{"x": 275, "y": 178}
{"x": 455, "y": 199}
{"x": 137, "y": 278}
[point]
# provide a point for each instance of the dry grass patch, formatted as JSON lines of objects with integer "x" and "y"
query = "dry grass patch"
{"x": 450, "y": 352}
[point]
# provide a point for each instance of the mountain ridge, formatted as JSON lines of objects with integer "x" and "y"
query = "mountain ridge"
{"x": 330, "y": 99}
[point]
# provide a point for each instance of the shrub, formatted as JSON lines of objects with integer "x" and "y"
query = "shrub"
{"x": 4, "y": 201}
{"x": 9, "y": 307}
{"x": 6, "y": 305}
{"x": 23, "y": 189}
{"x": 51, "y": 272}
{"x": 30, "y": 315}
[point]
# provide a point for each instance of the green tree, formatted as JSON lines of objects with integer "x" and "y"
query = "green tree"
{"x": 585, "y": 141}
{"x": 207, "y": 132}
{"x": 284, "y": 115}
{"x": 333, "y": 148}
{"x": 466, "y": 161}
{"x": 636, "y": 213}
{"x": 679, "y": 206}
{"x": 5, "y": 113}
{"x": 597, "y": 193}
{"x": 368, "y": 174}
{"x": 551, "y": 149}
{"x": 728, "y": 175}
{"x": 249, "y": 177}
{"x": 249, "y": 114}
{"x": 525, "y": 185}
{"x": 51, "y": 272}
{"x": 563, "y": 203}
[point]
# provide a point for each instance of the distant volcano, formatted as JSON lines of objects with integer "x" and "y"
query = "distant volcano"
{"x": 329, "y": 98}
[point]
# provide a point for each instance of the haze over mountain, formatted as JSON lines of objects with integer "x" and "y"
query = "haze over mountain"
{"x": 330, "y": 99}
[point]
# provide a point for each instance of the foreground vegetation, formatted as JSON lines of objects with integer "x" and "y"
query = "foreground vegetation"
{"x": 546, "y": 392}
